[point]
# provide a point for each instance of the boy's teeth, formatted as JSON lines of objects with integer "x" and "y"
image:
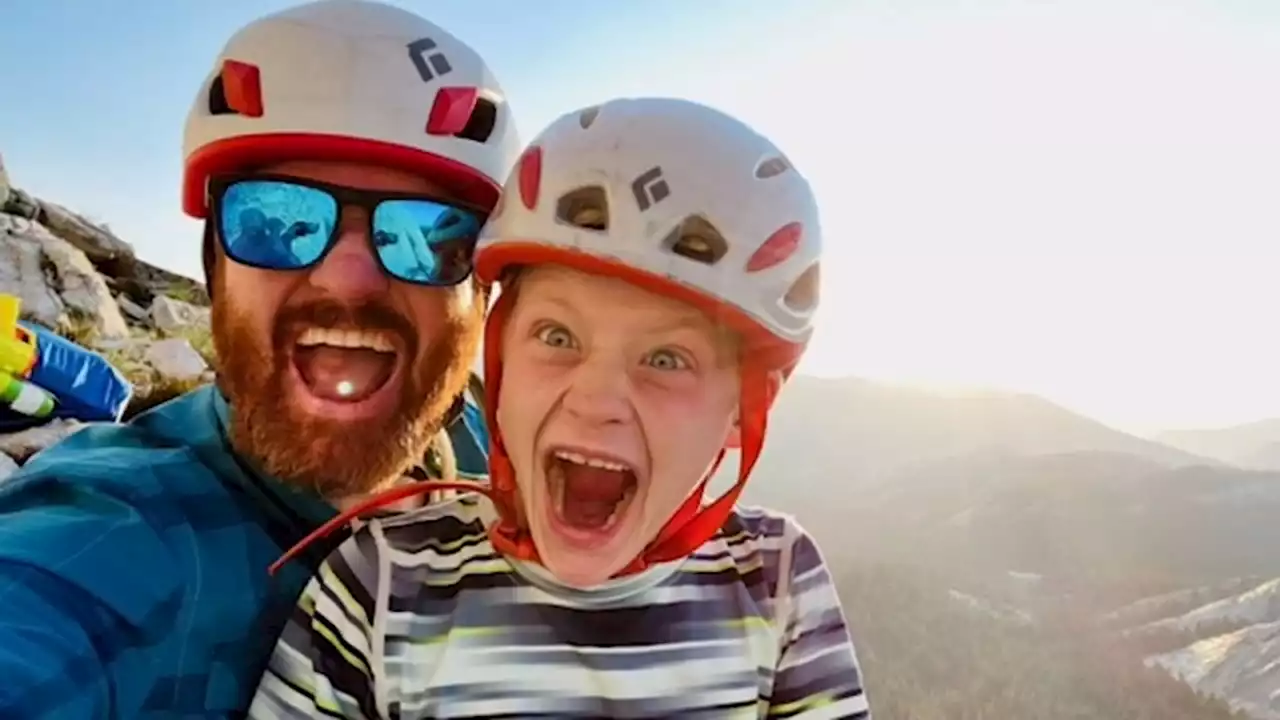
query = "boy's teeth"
{"x": 555, "y": 475}
{"x": 577, "y": 459}
{"x": 371, "y": 339}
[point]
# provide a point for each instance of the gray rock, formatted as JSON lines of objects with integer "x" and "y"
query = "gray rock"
{"x": 8, "y": 466}
{"x": 96, "y": 242}
{"x": 132, "y": 310}
{"x": 22, "y": 445}
{"x": 175, "y": 358}
{"x": 56, "y": 282}
{"x": 21, "y": 204}
{"x": 22, "y": 272}
{"x": 169, "y": 315}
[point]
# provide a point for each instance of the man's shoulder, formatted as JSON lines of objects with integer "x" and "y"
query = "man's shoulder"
{"x": 126, "y": 516}
{"x": 73, "y": 505}
{"x": 155, "y": 448}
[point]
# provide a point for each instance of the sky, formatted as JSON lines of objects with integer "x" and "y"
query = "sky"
{"x": 1074, "y": 198}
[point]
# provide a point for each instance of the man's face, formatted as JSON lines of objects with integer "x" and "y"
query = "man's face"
{"x": 615, "y": 402}
{"x": 338, "y": 374}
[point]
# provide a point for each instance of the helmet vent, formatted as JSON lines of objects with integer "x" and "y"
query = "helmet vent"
{"x": 236, "y": 90}
{"x": 586, "y": 207}
{"x": 771, "y": 167}
{"x": 218, "y": 98}
{"x": 802, "y": 296}
{"x": 588, "y": 116}
{"x": 481, "y": 123}
{"x": 697, "y": 239}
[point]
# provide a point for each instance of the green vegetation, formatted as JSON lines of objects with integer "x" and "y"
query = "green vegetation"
{"x": 150, "y": 387}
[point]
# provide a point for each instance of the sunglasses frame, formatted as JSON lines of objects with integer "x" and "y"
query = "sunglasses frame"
{"x": 345, "y": 196}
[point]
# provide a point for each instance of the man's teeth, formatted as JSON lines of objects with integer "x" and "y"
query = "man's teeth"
{"x": 371, "y": 339}
{"x": 577, "y": 459}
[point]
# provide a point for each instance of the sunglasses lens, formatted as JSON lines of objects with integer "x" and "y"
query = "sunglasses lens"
{"x": 276, "y": 225}
{"x": 425, "y": 242}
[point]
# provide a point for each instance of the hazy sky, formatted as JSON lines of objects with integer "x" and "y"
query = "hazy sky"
{"x": 1076, "y": 198}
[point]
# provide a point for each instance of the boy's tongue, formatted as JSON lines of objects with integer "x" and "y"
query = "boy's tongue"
{"x": 591, "y": 494}
{"x": 343, "y": 373}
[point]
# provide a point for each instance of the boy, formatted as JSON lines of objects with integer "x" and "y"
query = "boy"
{"x": 659, "y": 262}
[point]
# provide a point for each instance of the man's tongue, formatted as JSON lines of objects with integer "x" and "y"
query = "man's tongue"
{"x": 591, "y": 494}
{"x": 343, "y": 373}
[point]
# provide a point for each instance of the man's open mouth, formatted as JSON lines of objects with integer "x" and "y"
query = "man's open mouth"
{"x": 345, "y": 365}
{"x": 589, "y": 492}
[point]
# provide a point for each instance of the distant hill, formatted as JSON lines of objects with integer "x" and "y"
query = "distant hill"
{"x": 1253, "y": 445}
{"x": 990, "y": 482}
{"x": 1109, "y": 524}
{"x": 852, "y": 434}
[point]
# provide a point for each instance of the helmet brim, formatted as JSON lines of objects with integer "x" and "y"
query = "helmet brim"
{"x": 244, "y": 152}
{"x": 493, "y": 261}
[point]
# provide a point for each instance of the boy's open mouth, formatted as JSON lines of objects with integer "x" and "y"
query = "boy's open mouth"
{"x": 589, "y": 492}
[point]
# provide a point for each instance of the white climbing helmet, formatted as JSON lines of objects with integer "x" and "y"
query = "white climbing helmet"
{"x": 686, "y": 199}
{"x": 350, "y": 80}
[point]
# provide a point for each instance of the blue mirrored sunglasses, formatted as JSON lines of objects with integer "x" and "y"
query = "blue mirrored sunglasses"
{"x": 288, "y": 223}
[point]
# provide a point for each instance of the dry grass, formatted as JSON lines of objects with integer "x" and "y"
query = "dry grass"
{"x": 190, "y": 294}
{"x": 150, "y": 388}
{"x": 151, "y": 395}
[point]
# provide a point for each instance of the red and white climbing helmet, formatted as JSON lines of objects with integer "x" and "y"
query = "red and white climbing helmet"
{"x": 350, "y": 80}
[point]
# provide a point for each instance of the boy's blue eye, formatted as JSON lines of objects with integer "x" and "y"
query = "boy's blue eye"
{"x": 667, "y": 360}
{"x": 555, "y": 336}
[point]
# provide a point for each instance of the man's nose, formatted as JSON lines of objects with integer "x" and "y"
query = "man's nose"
{"x": 350, "y": 271}
{"x": 598, "y": 392}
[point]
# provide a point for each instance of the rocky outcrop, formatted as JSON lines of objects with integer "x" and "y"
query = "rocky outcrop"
{"x": 78, "y": 278}
{"x": 4, "y": 184}
{"x": 59, "y": 286}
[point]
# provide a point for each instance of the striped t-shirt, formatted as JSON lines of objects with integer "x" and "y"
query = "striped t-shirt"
{"x": 417, "y": 616}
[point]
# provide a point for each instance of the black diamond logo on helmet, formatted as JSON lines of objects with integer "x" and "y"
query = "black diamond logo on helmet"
{"x": 430, "y": 65}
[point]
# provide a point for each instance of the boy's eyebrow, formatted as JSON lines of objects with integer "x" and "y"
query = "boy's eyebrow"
{"x": 557, "y": 301}
{"x": 695, "y": 323}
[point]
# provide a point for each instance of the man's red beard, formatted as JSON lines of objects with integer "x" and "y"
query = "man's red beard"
{"x": 338, "y": 459}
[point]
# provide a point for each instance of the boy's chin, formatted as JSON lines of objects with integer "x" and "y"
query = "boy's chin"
{"x": 580, "y": 573}
{"x": 580, "y": 569}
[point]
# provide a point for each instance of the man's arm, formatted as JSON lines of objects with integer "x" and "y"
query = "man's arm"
{"x": 82, "y": 578}
{"x": 322, "y": 665}
{"x": 47, "y": 656}
{"x": 817, "y": 677}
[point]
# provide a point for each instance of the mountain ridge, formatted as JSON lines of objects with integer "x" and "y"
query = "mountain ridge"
{"x": 1253, "y": 445}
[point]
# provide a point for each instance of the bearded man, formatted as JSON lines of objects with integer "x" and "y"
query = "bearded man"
{"x": 328, "y": 150}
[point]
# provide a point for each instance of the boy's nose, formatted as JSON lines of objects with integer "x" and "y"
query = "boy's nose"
{"x": 599, "y": 394}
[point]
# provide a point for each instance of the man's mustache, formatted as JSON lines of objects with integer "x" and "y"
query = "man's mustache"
{"x": 371, "y": 315}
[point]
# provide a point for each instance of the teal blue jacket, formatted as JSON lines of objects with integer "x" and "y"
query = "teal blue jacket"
{"x": 133, "y": 567}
